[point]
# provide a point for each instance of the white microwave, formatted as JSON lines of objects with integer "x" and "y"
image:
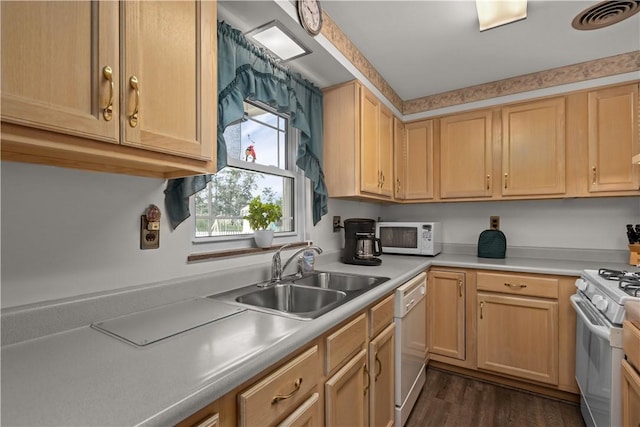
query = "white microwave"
{"x": 414, "y": 238}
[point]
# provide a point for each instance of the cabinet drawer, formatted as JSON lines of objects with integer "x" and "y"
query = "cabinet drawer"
{"x": 631, "y": 343}
{"x": 518, "y": 284}
{"x": 280, "y": 392}
{"x": 381, "y": 315}
{"x": 345, "y": 341}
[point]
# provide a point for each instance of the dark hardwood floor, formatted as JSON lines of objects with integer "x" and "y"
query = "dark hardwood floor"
{"x": 452, "y": 400}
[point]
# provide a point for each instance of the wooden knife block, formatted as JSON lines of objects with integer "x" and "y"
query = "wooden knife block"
{"x": 634, "y": 254}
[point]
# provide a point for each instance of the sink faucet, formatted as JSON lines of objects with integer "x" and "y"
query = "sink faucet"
{"x": 276, "y": 262}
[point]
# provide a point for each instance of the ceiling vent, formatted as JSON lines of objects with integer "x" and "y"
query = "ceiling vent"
{"x": 605, "y": 13}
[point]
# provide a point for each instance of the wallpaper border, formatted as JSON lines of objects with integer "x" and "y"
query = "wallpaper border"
{"x": 598, "y": 68}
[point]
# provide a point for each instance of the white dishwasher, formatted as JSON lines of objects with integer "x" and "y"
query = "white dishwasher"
{"x": 411, "y": 345}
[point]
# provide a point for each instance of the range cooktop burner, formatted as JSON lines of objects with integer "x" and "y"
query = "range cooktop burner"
{"x": 631, "y": 285}
{"x": 617, "y": 274}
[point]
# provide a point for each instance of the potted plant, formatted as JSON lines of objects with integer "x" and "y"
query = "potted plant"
{"x": 260, "y": 216}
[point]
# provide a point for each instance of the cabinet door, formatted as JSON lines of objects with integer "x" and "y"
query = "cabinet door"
{"x": 399, "y": 168}
{"x": 307, "y": 414}
{"x": 53, "y": 59}
{"x": 533, "y": 148}
{"x": 518, "y": 336}
{"x": 369, "y": 134}
{"x": 417, "y": 157}
{"x": 345, "y": 394}
{"x": 613, "y": 139}
{"x": 446, "y": 302}
{"x": 169, "y": 74}
{"x": 630, "y": 396}
{"x": 381, "y": 400}
{"x": 465, "y": 155}
{"x": 385, "y": 151}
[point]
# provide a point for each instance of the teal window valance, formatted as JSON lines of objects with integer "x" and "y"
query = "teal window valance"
{"x": 247, "y": 72}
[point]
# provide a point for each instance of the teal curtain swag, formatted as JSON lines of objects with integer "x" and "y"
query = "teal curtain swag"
{"x": 247, "y": 72}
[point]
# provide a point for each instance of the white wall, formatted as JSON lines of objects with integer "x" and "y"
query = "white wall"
{"x": 67, "y": 233}
{"x": 597, "y": 223}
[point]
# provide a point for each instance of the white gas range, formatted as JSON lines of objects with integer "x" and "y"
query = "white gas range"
{"x": 599, "y": 304}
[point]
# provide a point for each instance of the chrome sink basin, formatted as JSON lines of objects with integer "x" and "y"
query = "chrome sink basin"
{"x": 339, "y": 281}
{"x": 302, "y": 297}
{"x": 292, "y": 299}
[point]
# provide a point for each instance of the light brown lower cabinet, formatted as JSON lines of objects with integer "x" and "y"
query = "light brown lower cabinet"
{"x": 631, "y": 366}
{"x": 446, "y": 301}
{"x": 381, "y": 388}
{"x": 345, "y": 393}
{"x": 281, "y": 392}
{"x": 307, "y": 414}
{"x": 518, "y": 336}
{"x": 630, "y": 396}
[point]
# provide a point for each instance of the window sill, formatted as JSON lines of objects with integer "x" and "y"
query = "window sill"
{"x": 204, "y": 256}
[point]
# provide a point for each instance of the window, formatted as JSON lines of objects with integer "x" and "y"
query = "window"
{"x": 261, "y": 157}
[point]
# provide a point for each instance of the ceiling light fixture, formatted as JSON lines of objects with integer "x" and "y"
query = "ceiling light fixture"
{"x": 278, "y": 40}
{"x": 493, "y": 13}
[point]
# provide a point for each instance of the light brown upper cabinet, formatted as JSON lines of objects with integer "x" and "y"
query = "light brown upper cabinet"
{"x": 415, "y": 161}
{"x": 533, "y": 148}
{"x": 65, "y": 101}
{"x": 613, "y": 139}
{"x": 465, "y": 155}
{"x": 50, "y": 79}
{"x": 399, "y": 169}
{"x": 164, "y": 75}
{"x": 358, "y": 143}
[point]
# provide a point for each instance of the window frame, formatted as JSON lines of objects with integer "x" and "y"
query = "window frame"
{"x": 301, "y": 198}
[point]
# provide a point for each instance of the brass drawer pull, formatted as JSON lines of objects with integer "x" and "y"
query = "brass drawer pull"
{"x": 133, "y": 118}
{"x": 278, "y": 398}
{"x": 510, "y": 285}
{"x": 107, "y": 113}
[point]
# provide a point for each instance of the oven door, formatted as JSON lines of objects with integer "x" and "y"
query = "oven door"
{"x": 598, "y": 357}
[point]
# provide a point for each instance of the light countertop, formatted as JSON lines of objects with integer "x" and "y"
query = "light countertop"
{"x": 84, "y": 377}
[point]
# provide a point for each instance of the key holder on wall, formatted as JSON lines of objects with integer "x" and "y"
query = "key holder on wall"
{"x": 150, "y": 228}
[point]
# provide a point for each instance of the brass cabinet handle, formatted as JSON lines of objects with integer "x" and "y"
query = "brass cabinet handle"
{"x": 510, "y": 285}
{"x": 506, "y": 176}
{"x": 133, "y": 118}
{"x": 366, "y": 375}
{"x": 594, "y": 175}
{"x": 460, "y": 287}
{"x": 107, "y": 113}
{"x": 481, "y": 307}
{"x": 378, "y": 368}
{"x": 280, "y": 397}
{"x": 397, "y": 185}
{"x": 488, "y": 182}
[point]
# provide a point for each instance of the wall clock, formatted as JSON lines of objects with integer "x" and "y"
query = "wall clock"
{"x": 310, "y": 14}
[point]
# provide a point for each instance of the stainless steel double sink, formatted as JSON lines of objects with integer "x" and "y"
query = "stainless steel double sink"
{"x": 303, "y": 297}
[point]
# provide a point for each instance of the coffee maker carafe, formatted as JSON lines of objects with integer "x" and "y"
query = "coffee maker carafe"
{"x": 360, "y": 243}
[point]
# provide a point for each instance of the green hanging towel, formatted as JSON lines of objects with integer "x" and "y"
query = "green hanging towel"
{"x": 492, "y": 244}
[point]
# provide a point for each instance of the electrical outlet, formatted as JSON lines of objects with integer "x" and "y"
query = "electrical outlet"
{"x": 149, "y": 239}
{"x": 336, "y": 224}
{"x": 494, "y": 222}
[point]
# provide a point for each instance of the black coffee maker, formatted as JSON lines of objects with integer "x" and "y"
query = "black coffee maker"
{"x": 360, "y": 244}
